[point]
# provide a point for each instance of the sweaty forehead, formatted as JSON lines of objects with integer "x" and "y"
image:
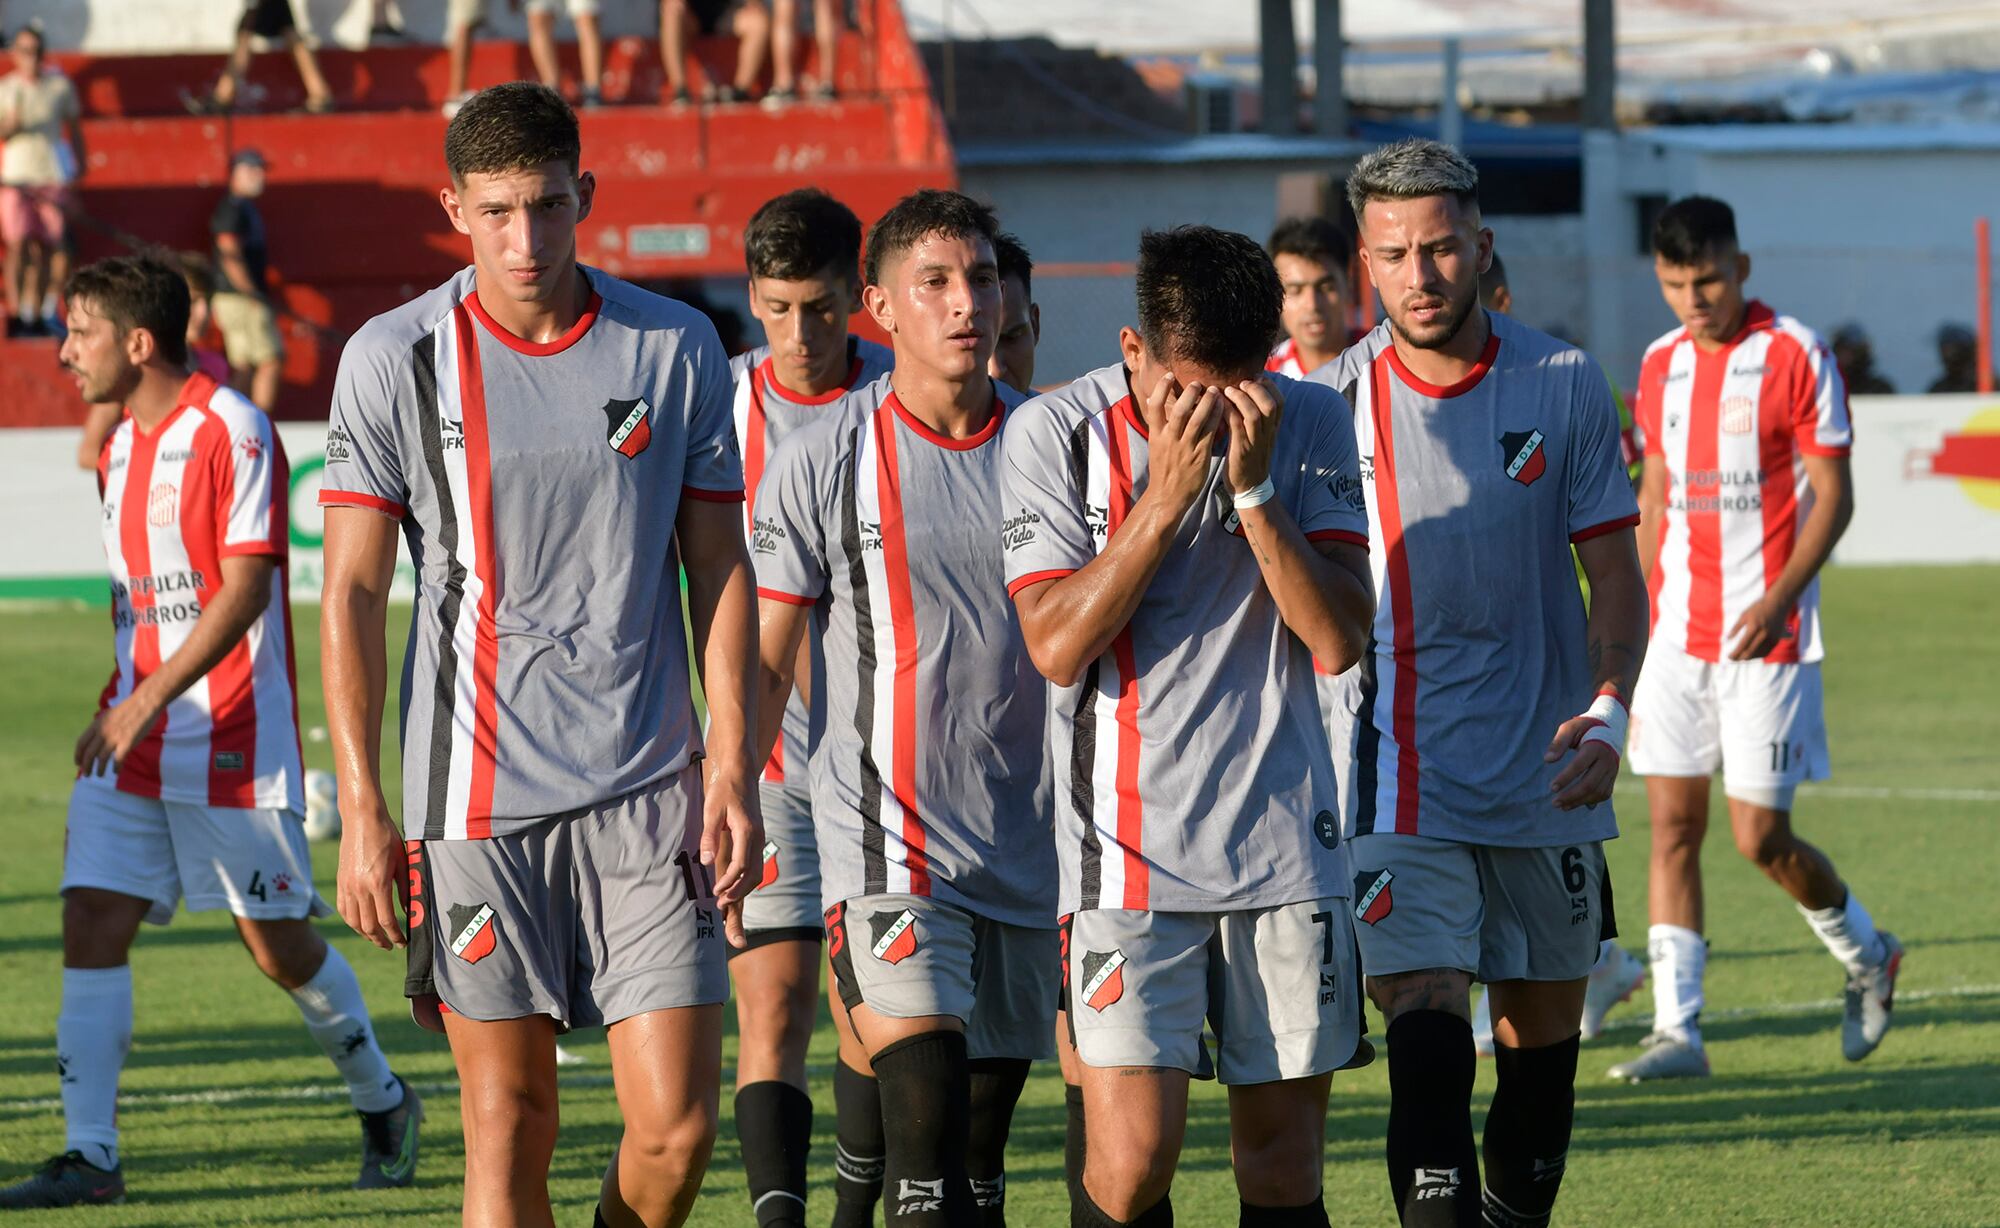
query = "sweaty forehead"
{"x": 519, "y": 186}
{"x": 1418, "y": 218}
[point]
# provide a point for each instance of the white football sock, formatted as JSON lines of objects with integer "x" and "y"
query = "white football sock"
{"x": 338, "y": 1019}
{"x": 1848, "y": 932}
{"x": 93, "y": 1035}
{"x": 1679, "y": 956}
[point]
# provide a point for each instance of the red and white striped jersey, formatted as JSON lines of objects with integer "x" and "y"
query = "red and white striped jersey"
{"x": 208, "y": 483}
{"x": 1284, "y": 360}
{"x": 1733, "y": 428}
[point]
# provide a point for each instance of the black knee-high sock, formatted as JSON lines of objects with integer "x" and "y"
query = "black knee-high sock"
{"x": 1084, "y": 1213}
{"x": 1073, "y": 1137}
{"x": 927, "y": 1126}
{"x": 996, "y": 1086}
{"x": 858, "y": 1147}
{"x": 774, "y": 1123}
{"x": 1306, "y": 1215}
{"x": 1433, "y": 1168}
{"x": 1527, "y": 1133}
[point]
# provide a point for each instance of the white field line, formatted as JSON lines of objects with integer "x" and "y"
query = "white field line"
{"x": 315, "y": 1093}
{"x": 1882, "y": 792}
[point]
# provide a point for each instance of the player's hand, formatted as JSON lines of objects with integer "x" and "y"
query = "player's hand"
{"x": 373, "y": 872}
{"x": 113, "y": 733}
{"x": 1255, "y": 409}
{"x": 1588, "y": 777}
{"x": 1758, "y": 630}
{"x": 1180, "y": 438}
{"x": 732, "y": 847}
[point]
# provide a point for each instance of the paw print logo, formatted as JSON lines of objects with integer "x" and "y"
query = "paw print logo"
{"x": 281, "y": 882}
{"x": 251, "y": 446}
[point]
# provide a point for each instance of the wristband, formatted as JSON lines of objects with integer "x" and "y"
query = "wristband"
{"x": 1262, "y": 493}
{"x": 1609, "y": 721}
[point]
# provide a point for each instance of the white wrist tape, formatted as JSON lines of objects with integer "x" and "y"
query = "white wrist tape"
{"x": 1611, "y": 719}
{"x": 1263, "y": 492}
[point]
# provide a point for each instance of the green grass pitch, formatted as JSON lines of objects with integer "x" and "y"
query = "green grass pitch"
{"x": 230, "y": 1115}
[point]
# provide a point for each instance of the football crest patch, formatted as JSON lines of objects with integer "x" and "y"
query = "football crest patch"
{"x": 770, "y": 864}
{"x": 1521, "y": 452}
{"x": 472, "y": 932}
{"x": 1103, "y": 978}
{"x": 1372, "y": 901}
{"x": 630, "y": 425}
{"x": 895, "y": 936}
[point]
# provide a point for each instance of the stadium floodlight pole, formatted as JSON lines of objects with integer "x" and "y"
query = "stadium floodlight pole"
{"x": 1451, "y": 116}
{"x": 1982, "y": 244}
{"x": 1278, "y": 61}
{"x": 1600, "y": 66}
{"x": 1329, "y": 70}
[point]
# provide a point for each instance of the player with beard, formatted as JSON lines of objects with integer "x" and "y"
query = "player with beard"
{"x": 1489, "y": 712}
{"x": 880, "y": 524}
{"x": 803, "y": 250}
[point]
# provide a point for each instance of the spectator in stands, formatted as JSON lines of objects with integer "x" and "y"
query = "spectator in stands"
{"x": 1958, "y": 354}
{"x": 242, "y": 302}
{"x": 200, "y": 278}
{"x": 828, "y": 18}
{"x": 273, "y": 21}
{"x": 1854, "y": 354}
{"x": 38, "y": 106}
{"x": 464, "y": 16}
{"x": 681, "y": 20}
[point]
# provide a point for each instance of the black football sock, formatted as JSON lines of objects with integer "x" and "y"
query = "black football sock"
{"x": 1306, "y": 1215}
{"x": 926, "y": 1124}
{"x": 996, "y": 1086}
{"x": 1073, "y": 1137}
{"x": 1084, "y": 1213}
{"x": 858, "y": 1147}
{"x": 774, "y": 1126}
{"x": 1433, "y": 1168}
{"x": 1527, "y": 1133}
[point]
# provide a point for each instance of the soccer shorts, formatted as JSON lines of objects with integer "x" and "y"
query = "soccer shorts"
{"x": 32, "y": 213}
{"x": 1502, "y": 914}
{"x": 908, "y": 956}
{"x": 589, "y": 919}
{"x": 1762, "y": 724}
{"x": 784, "y": 907}
{"x": 458, "y": 14}
{"x": 1279, "y": 986}
{"x": 249, "y": 329}
{"x": 255, "y": 863}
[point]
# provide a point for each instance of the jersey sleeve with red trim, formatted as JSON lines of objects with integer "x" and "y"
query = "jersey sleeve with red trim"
{"x": 714, "y": 461}
{"x": 249, "y": 468}
{"x": 1647, "y": 396}
{"x": 1600, "y": 490}
{"x": 1045, "y": 530}
{"x": 1331, "y": 505}
{"x": 365, "y": 465}
{"x": 1819, "y": 415}
{"x": 788, "y": 548}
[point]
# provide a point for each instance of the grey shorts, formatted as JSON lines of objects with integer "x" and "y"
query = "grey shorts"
{"x": 1279, "y": 986}
{"x": 785, "y": 904}
{"x": 907, "y": 956}
{"x": 588, "y": 919}
{"x": 1502, "y": 914}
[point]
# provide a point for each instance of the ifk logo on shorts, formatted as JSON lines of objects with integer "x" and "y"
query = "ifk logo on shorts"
{"x": 915, "y": 1196}
{"x": 1435, "y": 1183}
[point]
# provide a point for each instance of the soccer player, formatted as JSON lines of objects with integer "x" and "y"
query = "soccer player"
{"x": 1746, "y": 491}
{"x": 882, "y": 525}
{"x": 188, "y": 778}
{"x": 1489, "y": 711}
{"x": 554, "y": 445}
{"x": 1311, "y": 255}
{"x": 1184, "y": 532}
{"x": 804, "y": 255}
{"x": 1020, "y": 316}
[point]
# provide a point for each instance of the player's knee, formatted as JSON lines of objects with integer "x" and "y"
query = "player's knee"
{"x": 515, "y": 1124}
{"x": 98, "y": 927}
{"x": 667, "y": 1143}
{"x": 1764, "y": 844}
{"x": 1128, "y": 1171}
{"x": 1281, "y": 1169}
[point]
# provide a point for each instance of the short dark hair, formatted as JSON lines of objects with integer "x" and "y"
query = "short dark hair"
{"x": 1311, "y": 238}
{"x": 1209, "y": 297}
{"x": 926, "y": 212}
{"x": 143, "y": 291}
{"x": 1012, "y": 256}
{"x": 795, "y": 236}
{"x": 1693, "y": 227}
{"x": 33, "y": 28}
{"x": 508, "y": 127}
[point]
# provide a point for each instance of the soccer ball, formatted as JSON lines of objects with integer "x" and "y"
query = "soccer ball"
{"x": 322, "y": 807}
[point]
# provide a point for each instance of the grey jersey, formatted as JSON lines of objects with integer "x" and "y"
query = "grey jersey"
{"x": 538, "y": 486}
{"x": 927, "y": 779}
{"x": 765, "y": 413}
{"x": 1475, "y": 493}
{"x": 1193, "y": 772}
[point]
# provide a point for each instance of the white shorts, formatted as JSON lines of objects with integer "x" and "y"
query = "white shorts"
{"x": 462, "y": 13}
{"x": 1764, "y": 725}
{"x": 255, "y": 863}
